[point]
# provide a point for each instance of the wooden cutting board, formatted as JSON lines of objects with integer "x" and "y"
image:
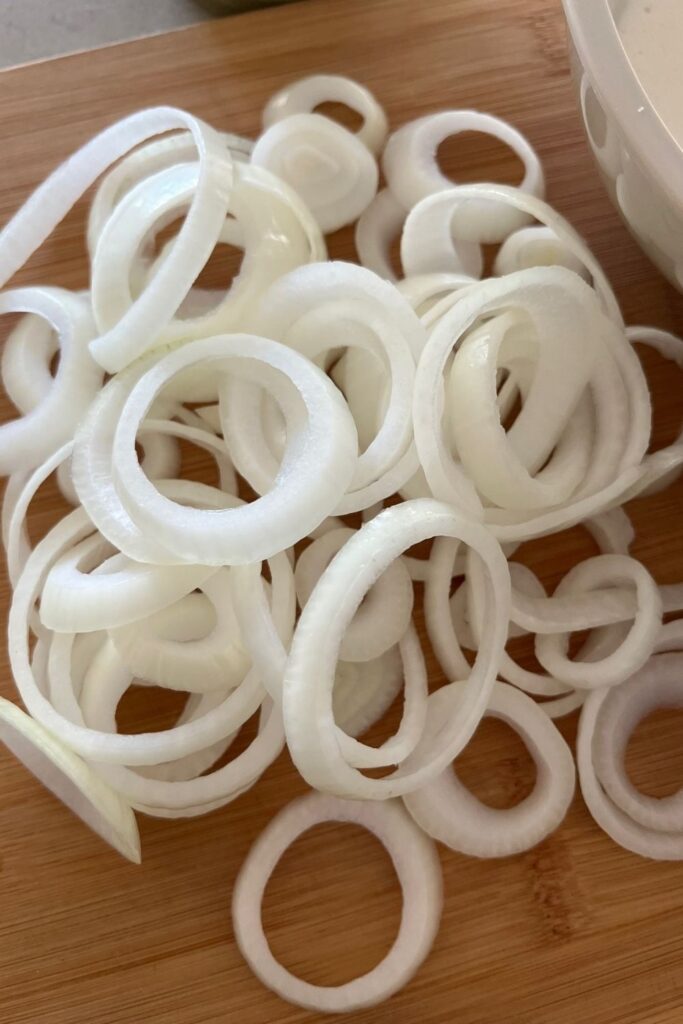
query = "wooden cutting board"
{"x": 576, "y": 929}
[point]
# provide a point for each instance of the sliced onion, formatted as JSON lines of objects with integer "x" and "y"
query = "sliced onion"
{"x": 606, "y": 570}
{"x": 315, "y": 310}
{"x": 385, "y": 613}
{"x": 329, "y": 167}
{"x": 277, "y": 235}
{"x": 88, "y": 588}
{"x": 54, "y": 409}
{"x": 141, "y": 163}
{"x": 307, "y": 488}
{"x": 156, "y": 647}
{"x": 417, "y": 866}
{"x": 536, "y": 246}
{"x": 378, "y": 226}
{"x": 309, "y": 677}
{"x": 412, "y": 172}
{"x": 624, "y": 830}
{"x": 365, "y": 690}
{"x": 70, "y": 779}
{"x": 304, "y": 95}
{"x": 447, "y": 811}
{"x": 52, "y": 200}
{"x": 445, "y": 220}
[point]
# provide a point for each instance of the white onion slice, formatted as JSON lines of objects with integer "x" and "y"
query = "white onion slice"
{"x": 440, "y": 221}
{"x": 277, "y": 235}
{"x": 329, "y": 167}
{"x": 378, "y": 226}
{"x": 385, "y": 613}
{"x": 143, "y": 749}
{"x": 412, "y": 172}
{"x": 447, "y": 811}
{"x": 315, "y": 310}
{"x": 52, "y": 200}
{"x": 151, "y": 793}
{"x": 659, "y": 684}
{"x": 70, "y": 779}
{"x": 20, "y": 491}
{"x": 416, "y": 864}
{"x": 314, "y": 475}
{"x": 531, "y": 291}
{"x": 364, "y": 691}
{"x": 157, "y": 649}
{"x": 309, "y": 677}
{"x": 424, "y": 291}
{"x": 89, "y": 589}
{"x": 141, "y": 163}
{"x": 26, "y": 359}
{"x": 59, "y": 404}
{"x": 266, "y": 638}
{"x": 304, "y": 95}
{"x": 536, "y": 246}
{"x": 637, "y": 646}
{"x": 630, "y": 834}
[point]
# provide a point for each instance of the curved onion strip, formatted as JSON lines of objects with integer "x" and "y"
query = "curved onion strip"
{"x": 141, "y": 163}
{"x": 90, "y": 589}
{"x": 385, "y": 613}
{"x": 329, "y": 167}
{"x": 669, "y": 346}
{"x": 536, "y": 246}
{"x": 278, "y": 234}
{"x": 213, "y": 789}
{"x": 417, "y": 866}
{"x": 636, "y": 648}
{"x": 309, "y": 676}
{"x": 619, "y": 826}
{"x": 262, "y": 637}
{"x": 570, "y": 331}
{"x": 129, "y": 508}
{"x": 18, "y": 496}
{"x": 25, "y": 442}
{"x": 52, "y": 200}
{"x": 378, "y": 226}
{"x": 424, "y": 291}
{"x": 156, "y": 648}
{"x": 26, "y": 359}
{"x": 447, "y": 811}
{"x": 314, "y": 310}
{"x": 304, "y": 95}
{"x": 659, "y": 684}
{"x": 412, "y": 172}
{"x": 143, "y": 749}
{"x": 427, "y": 240}
{"x": 364, "y": 691}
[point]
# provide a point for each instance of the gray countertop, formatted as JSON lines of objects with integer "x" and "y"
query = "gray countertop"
{"x": 34, "y": 29}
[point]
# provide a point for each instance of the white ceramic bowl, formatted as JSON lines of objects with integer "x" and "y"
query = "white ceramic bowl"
{"x": 640, "y": 160}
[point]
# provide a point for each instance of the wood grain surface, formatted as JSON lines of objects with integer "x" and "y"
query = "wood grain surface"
{"x": 574, "y": 930}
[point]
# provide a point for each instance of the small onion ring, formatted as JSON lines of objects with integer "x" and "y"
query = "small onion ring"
{"x": 412, "y": 172}
{"x": 309, "y": 677}
{"x": 448, "y": 812}
{"x": 416, "y": 864}
{"x": 329, "y": 167}
{"x": 304, "y": 95}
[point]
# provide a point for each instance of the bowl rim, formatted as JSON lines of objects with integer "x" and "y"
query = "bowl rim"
{"x": 598, "y": 44}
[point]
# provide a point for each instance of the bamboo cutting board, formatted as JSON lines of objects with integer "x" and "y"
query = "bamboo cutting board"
{"x": 576, "y": 929}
